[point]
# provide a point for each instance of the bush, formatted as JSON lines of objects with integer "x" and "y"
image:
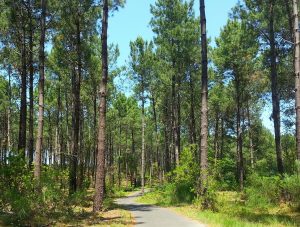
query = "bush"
{"x": 23, "y": 204}
{"x": 186, "y": 176}
{"x": 291, "y": 190}
{"x": 263, "y": 192}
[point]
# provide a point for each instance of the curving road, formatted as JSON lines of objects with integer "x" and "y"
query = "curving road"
{"x": 153, "y": 216}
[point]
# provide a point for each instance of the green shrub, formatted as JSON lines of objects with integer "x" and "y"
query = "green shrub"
{"x": 291, "y": 190}
{"x": 186, "y": 176}
{"x": 263, "y": 192}
{"x": 21, "y": 202}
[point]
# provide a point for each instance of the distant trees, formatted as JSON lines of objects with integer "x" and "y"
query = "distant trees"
{"x": 142, "y": 66}
{"x": 237, "y": 67}
{"x": 177, "y": 39}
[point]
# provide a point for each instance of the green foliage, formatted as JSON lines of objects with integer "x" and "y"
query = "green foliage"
{"x": 24, "y": 203}
{"x": 264, "y": 192}
{"x": 291, "y": 190}
{"x": 186, "y": 175}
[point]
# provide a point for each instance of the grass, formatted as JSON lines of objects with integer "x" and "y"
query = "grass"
{"x": 232, "y": 211}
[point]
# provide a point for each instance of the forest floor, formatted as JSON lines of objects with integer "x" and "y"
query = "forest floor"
{"x": 80, "y": 215}
{"x": 112, "y": 215}
{"x": 231, "y": 213}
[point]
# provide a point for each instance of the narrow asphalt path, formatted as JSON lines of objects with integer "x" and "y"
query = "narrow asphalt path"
{"x": 153, "y": 216}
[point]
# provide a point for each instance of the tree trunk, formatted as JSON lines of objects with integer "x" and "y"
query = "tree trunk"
{"x": 239, "y": 141}
{"x": 100, "y": 172}
{"x": 95, "y": 134}
{"x": 274, "y": 88}
{"x": 287, "y": 4}
{"x": 119, "y": 154}
{"x": 133, "y": 154}
{"x": 39, "y": 140}
{"x": 76, "y": 111}
{"x": 193, "y": 137}
{"x": 143, "y": 143}
{"x": 222, "y": 137}
{"x": 250, "y": 137}
{"x": 216, "y": 139}
{"x": 204, "y": 104}
{"x": 158, "y": 157}
{"x": 9, "y": 113}
{"x": 175, "y": 150}
{"x": 31, "y": 110}
{"x": 297, "y": 74}
{"x": 23, "y": 108}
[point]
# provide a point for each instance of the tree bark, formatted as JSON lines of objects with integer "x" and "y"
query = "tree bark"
{"x": 23, "y": 108}
{"x": 119, "y": 153}
{"x": 158, "y": 157}
{"x": 143, "y": 140}
{"x": 175, "y": 148}
{"x": 100, "y": 172}
{"x": 239, "y": 141}
{"x": 76, "y": 110}
{"x": 204, "y": 104}
{"x": 287, "y": 4}
{"x": 250, "y": 136}
{"x": 193, "y": 136}
{"x": 216, "y": 139}
{"x": 31, "y": 72}
{"x": 9, "y": 113}
{"x": 39, "y": 140}
{"x": 297, "y": 73}
{"x": 274, "y": 88}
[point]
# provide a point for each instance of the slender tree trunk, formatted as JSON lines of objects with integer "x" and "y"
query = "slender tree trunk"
{"x": 39, "y": 140}
{"x": 274, "y": 88}
{"x": 95, "y": 135}
{"x": 239, "y": 145}
{"x": 67, "y": 124}
{"x": 250, "y": 137}
{"x": 175, "y": 150}
{"x": 143, "y": 144}
{"x": 287, "y": 4}
{"x": 297, "y": 74}
{"x": 50, "y": 139}
{"x": 167, "y": 126}
{"x": 158, "y": 158}
{"x": 119, "y": 154}
{"x": 216, "y": 139}
{"x": 31, "y": 110}
{"x": 9, "y": 113}
{"x": 23, "y": 108}
{"x": 60, "y": 155}
{"x": 193, "y": 137}
{"x": 204, "y": 104}
{"x": 222, "y": 137}
{"x": 178, "y": 123}
{"x": 100, "y": 172}
{"x": 133, "y": 154}
{"x": 76, "y": 111}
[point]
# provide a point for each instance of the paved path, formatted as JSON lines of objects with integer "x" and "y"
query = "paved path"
{"x": 153, "y": 216}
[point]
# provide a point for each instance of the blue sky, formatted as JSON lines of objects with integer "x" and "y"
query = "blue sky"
{"x": 133, "y": 21}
